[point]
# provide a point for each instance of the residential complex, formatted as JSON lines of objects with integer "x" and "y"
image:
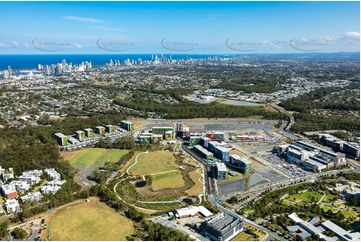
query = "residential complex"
{"x": 25, "y": 184}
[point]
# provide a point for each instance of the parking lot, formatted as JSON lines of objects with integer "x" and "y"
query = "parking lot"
{"x": 283, "y": 165}
{"x": 34, "y": 228}
{"x": 271, "y": 174}
{"x": 232, "y": 186}
{"x": 82, "y": 178}
{"x": 241, "y": 125}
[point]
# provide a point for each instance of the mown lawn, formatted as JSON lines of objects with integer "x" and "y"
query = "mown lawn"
{"x": 89, "y": 221}
{"x": 154, "y": 162}
{"x": 93, "y": 156}
{"x": 305, "y": 197}
{"x": 167, "y": 180}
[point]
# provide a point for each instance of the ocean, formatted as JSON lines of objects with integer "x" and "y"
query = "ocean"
{"x": 21, "y": 62}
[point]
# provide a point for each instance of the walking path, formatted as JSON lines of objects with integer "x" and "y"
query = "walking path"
{"x": 158, "y": 173}
{"x": 324, "y": 194}
{"x": 136, "y": 161}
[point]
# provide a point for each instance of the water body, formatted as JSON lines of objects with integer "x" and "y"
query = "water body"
{"x": 18, "y": 62}
{"x": 241, "y": 103}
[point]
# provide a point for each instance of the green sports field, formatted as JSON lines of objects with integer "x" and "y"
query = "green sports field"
{"x": 89, "y": 221}
{"x": 93, "y": 156}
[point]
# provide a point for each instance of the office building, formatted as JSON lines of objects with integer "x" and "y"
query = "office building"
{"x": 100, "y": 130}
{"x": 80, "y": 135}
{"x": 242, "y": 164}
{"x": 203, "y": 152}
{"x": 109, "y": 128}
{"x": 221, "y": 171}
{"x": 156, "y": 138}
{"x": 127, "y": 125}
{"x": 89, "y": 132}
{"x": 144, "y": 139}
{"x": 223, "y": 227}
{"x": 204, "y": 142}
{"x": 161, "y": 130}
{"x": 168, "y": 135}
{"x": 61, "y": 138}
{"x": 352, "y": 149}
{"x": 194, "y": 140}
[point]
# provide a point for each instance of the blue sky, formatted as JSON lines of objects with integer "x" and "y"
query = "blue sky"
{"x": 173, "y": 27}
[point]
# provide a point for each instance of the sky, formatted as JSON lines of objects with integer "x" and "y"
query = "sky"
{"x": 178, "y": 27}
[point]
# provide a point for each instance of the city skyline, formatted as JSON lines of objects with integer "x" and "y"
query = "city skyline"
{"x": 173, "y": 27}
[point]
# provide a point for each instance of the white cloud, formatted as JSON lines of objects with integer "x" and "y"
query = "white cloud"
{"x": 331, "y": 38}
{"x": 352, "y": 35}
{"x": 108, "y": 29}
{"x": 14, "y": 43}
{"x": 81, "y": 19}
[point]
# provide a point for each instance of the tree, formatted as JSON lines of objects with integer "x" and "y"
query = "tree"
{"x": 233, "y": 200}
{"x": 4, "y": 229}
{"x": 19, "y": 233}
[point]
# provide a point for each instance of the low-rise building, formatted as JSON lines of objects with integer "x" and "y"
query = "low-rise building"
{"x": 31, "y": 197}
{"x": 20, "y": 186}
{"x": 6, "y": 174}
{"x": 31, "y": 180}
{"x": 9, "y": 191}
{"x": 53, "y": 173}
{"x": 52, "y": 187}
{"x": 340, "y": 232}
{"x": 192, "y": 211}
{"x": 12, "y": 206}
